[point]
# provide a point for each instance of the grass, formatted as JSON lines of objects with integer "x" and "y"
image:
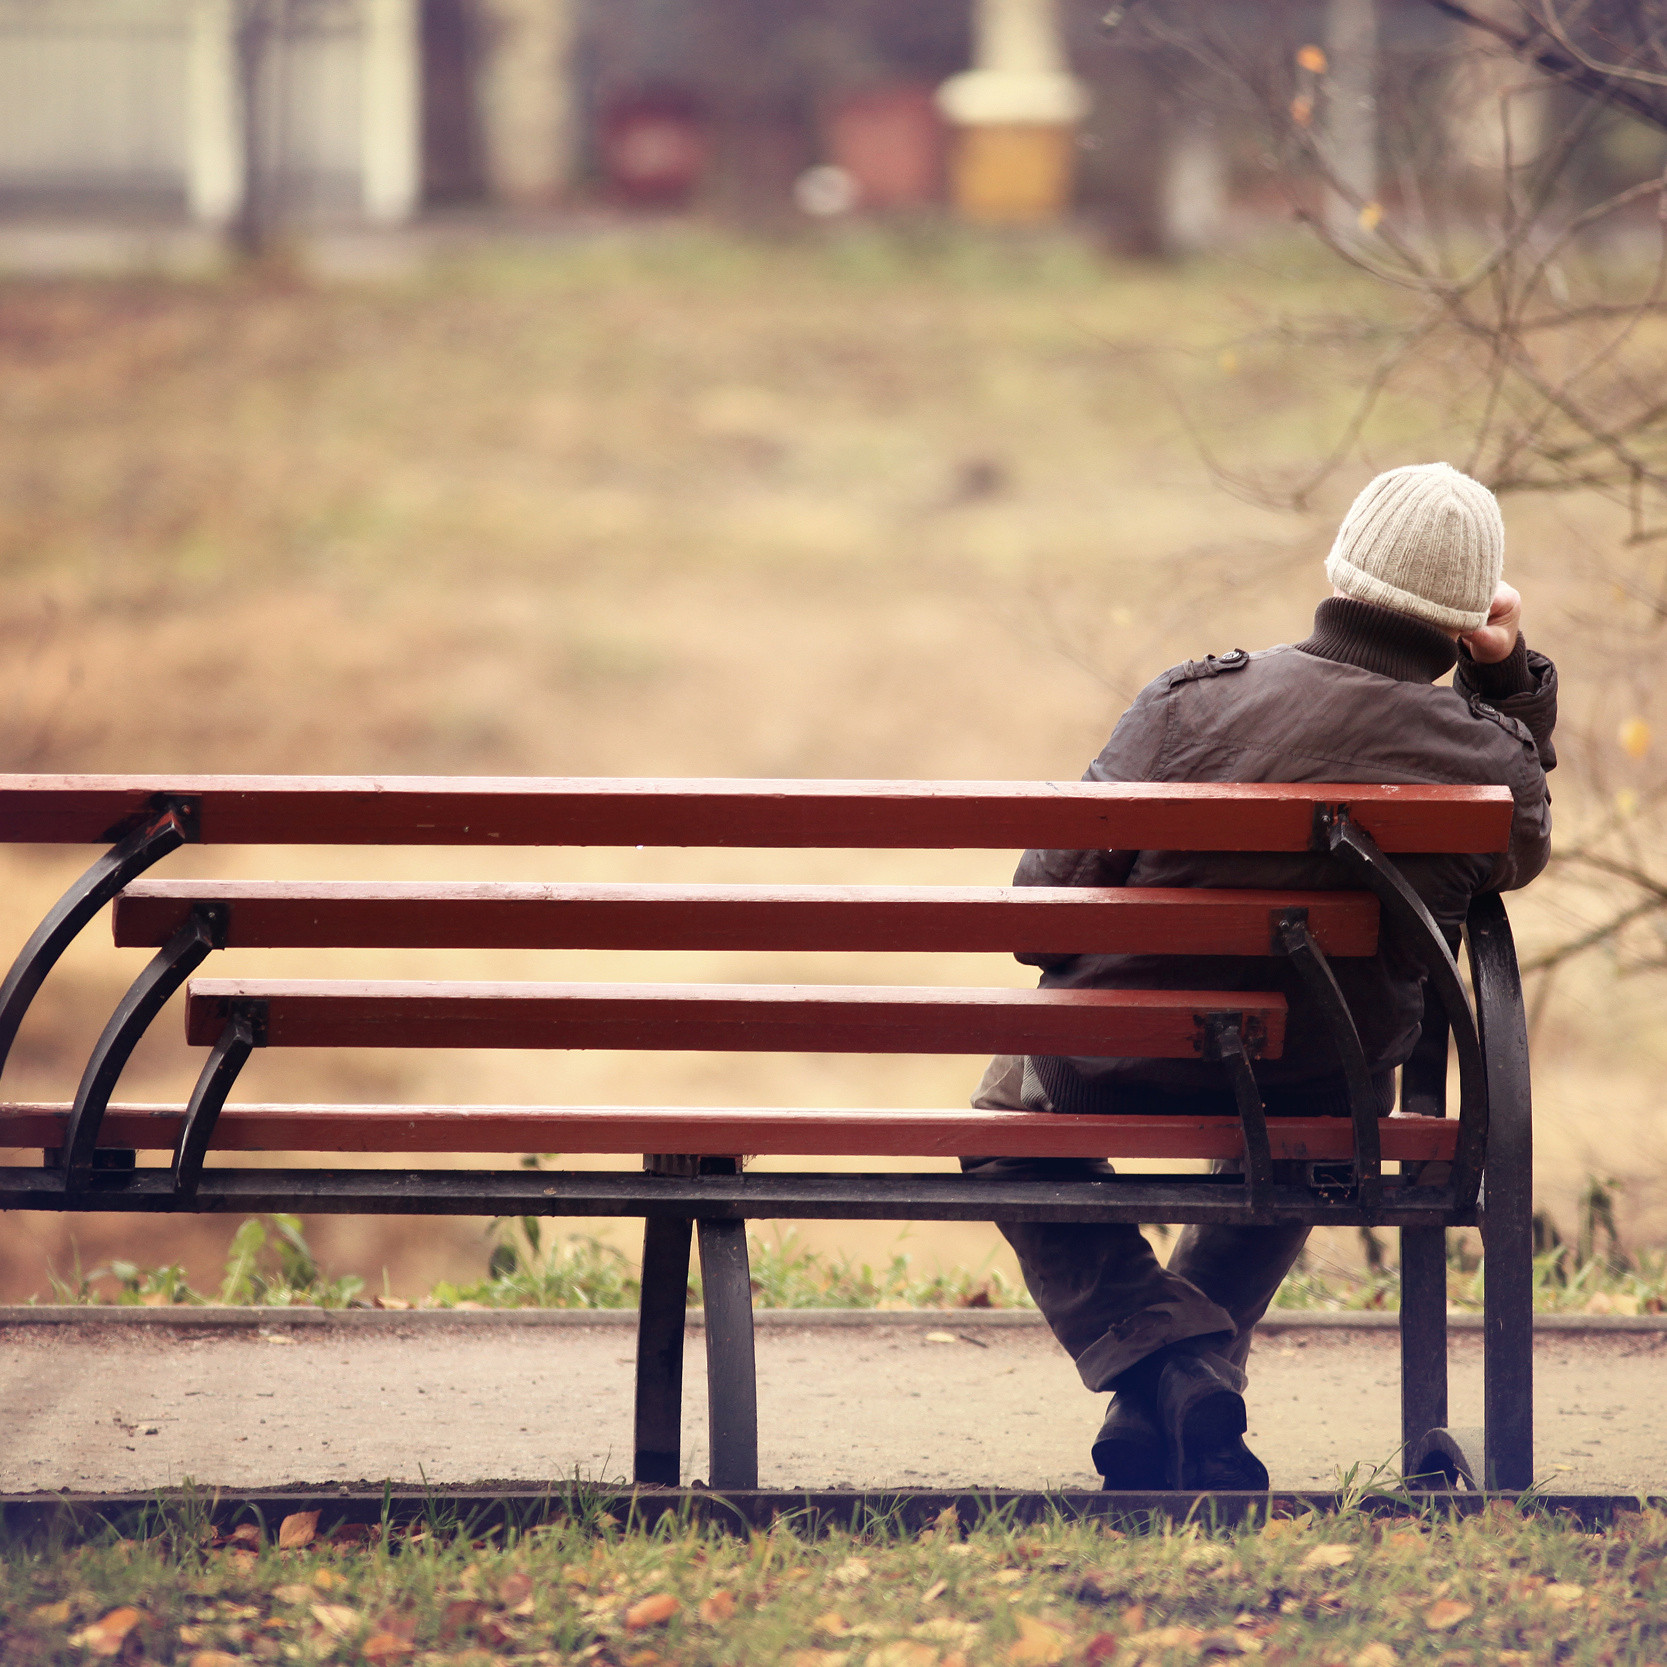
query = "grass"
{"x": 1506, "y": 1586}
{"x": 272, "y": 1265}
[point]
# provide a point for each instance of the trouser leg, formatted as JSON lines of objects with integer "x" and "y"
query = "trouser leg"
{"x": 1240, "y": 1268}
{"x": 1102, "y": 1291}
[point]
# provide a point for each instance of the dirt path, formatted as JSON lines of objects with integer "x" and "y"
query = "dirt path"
{"x": 114, "y": 1407}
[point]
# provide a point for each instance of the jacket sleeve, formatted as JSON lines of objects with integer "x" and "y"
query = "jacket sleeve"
{"x": 1521, "y": 694}
{"x": 1130, "y": 755}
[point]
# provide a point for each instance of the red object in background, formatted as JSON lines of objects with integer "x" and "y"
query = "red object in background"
{"x": 655, "y": 147}
{"x": 891, "y": 142}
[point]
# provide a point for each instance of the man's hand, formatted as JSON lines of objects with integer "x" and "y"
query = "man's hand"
{"x": 1494, "y": 641}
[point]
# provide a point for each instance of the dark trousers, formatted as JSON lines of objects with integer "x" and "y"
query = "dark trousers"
{"x": 1108, "y": 1299}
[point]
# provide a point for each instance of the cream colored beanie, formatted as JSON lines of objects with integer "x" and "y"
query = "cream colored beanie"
{"x": 1424, "y": 540}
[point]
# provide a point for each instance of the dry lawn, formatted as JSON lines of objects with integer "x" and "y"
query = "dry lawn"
{"x": 665, "y": 503}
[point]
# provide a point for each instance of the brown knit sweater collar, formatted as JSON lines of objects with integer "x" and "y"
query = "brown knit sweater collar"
{"x": 1380, "y": 640}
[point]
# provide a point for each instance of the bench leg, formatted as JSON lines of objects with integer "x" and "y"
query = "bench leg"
{"x": 731, "y": 1379}
{"x": 1423, "y": 1338}
{"x": 1508, "y": 1312}
{"x": 660, "y": 1322}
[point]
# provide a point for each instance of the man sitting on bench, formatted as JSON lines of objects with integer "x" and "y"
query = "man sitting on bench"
{"x": 1416, "y": 570}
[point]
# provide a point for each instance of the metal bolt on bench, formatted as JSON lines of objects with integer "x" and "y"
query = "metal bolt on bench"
{"x": 1474, "y": 1169}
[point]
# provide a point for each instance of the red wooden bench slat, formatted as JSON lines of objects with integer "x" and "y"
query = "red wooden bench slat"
{"x": 440, "y": 810}
{"x": 1076, "y": 920}
{"x": 765, "y": 1130}
{"x": 768, "y": 1018}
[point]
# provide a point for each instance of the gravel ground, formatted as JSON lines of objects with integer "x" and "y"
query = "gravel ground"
{"x": 113, "y": 1407}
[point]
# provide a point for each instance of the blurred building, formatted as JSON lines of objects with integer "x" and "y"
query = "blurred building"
{"x": 227, "y": 111}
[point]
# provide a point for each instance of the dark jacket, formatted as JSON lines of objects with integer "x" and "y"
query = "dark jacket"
{"x": 1356, "y": 702}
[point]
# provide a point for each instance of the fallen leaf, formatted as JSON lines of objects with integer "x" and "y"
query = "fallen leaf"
{"x": 1134, "y": 1617}
{"x": 401, "y": 1626}
{"x": 399, "y": 1303}
{"x": 903, "y": 1653}
{"x": 1564, "y": 1593}
{"x": 105, "y": 1637}
{"x": 1009, "y": 1577}
{"x": 247, "y": 1535}
{"x": 459, "y": 1615}
{"x": 652, "y": 1611}
{"x": 832, "y": 1623}
{"x": 947, "y": 1521}
{"x": 386, "y": 1646}
{"x": 327, "y": 1580}
{"x": 293, "y": 1594}
{"x": 1102, "y": 1647}
{"x": 1445, "y": 1615}
{"x": 495, "y": 1634}
{"x": 817, "y": 1658}
{"x": 516, "y": 1589}
{"x": 1374, "y": 1655}
{"x": 336, "y": 1618}
{"x": 1328, "y": 1557}
{"x": 718, "y": 1608}
{"x": 940, "y": 1337}
{"x": 955, "y": 1658}
{"x": 643, "y": 1658}
{"x": 935, "y": 1590}
{"x": 1037, "y": 1643}
{"x": 215, "y": 1658}
{"x": 1168, "y": 1638}
{"x": 852, "y": 1572}
{"x": 51, "y": 1614}
{"x": 353, "y": 1533}
{"x": 297, "y": 1530}
{"x": 575, "y": 1574}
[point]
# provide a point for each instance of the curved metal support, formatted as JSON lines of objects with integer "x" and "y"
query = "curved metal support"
{"x": 1292, "y": 936}
{"x": 1224, "y": 1040}
{"x": 1449, "y": 1458}
{"x": 244, "y": 1031}
{"x": 1358, "y": 852}
{"x": 173, "y": 825}
{"x": 146, "y": 997}
{"x": 1507, "y": 1201}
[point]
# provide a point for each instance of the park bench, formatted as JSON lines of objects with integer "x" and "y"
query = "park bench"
{"x": 1472, "y": 1169}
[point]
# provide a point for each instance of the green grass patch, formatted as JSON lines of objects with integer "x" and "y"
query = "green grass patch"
{"x": 1505, "y": 1586}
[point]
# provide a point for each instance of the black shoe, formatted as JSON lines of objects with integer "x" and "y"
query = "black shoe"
{"x": 1129, "y": 1452}
{"x": 1202, "y": 1414}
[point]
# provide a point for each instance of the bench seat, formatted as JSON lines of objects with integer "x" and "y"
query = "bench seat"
{"x": 727, "y": 1131}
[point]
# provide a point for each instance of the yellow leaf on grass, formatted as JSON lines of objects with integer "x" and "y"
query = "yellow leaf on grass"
{"x": 105, "y": 1637}
{"x": 718, "y": 1608}
{"x": 1312, "y": 59}
{"x": 817, "y": 1658}
{"x": 652, "y": 1611}
{"x": 1445, "y": 1615}
{"x": 1328, "y": 1557}
{"x": 833, "y": 1623}
{"x": 1634, "y": 736}
{"x": 1168, "y": 1638}
{"x": 386, "y": 1646}
{"x": 935, "y": 1590}
{"x": 294, "y": 1593}
{"x": 1374, "y": 1655}
{"x": 903, "y": 1653}
{"x": 51, "y": 1614}
{"x": 1565, "y": 1593}
{"x": 297, "y": 1530}
{"x": 1037, "y": 1642}
{"x": 327, "y": 1580}
{"x": 336, "y": 1618}
{"x": 852, "y": 1572}
{"x": 216, "y": 1658}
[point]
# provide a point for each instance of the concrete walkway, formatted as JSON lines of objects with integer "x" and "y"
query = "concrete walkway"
{"x": 958, "y": 1400}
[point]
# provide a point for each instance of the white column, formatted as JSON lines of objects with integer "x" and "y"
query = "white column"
{"x": 1351, "y": 111}
{"x": 526, "y": 99}
{"x": 391, "y": 130}
{"x": 214, "y": 115}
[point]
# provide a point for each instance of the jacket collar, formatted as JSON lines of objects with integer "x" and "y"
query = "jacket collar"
{"x": 1380, "y": 640}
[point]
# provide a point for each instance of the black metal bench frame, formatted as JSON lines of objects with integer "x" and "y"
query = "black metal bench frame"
{"x": 1487, "y": 1185}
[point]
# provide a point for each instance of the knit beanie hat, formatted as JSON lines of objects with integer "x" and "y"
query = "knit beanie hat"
{"x": 1425, "y": 540}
